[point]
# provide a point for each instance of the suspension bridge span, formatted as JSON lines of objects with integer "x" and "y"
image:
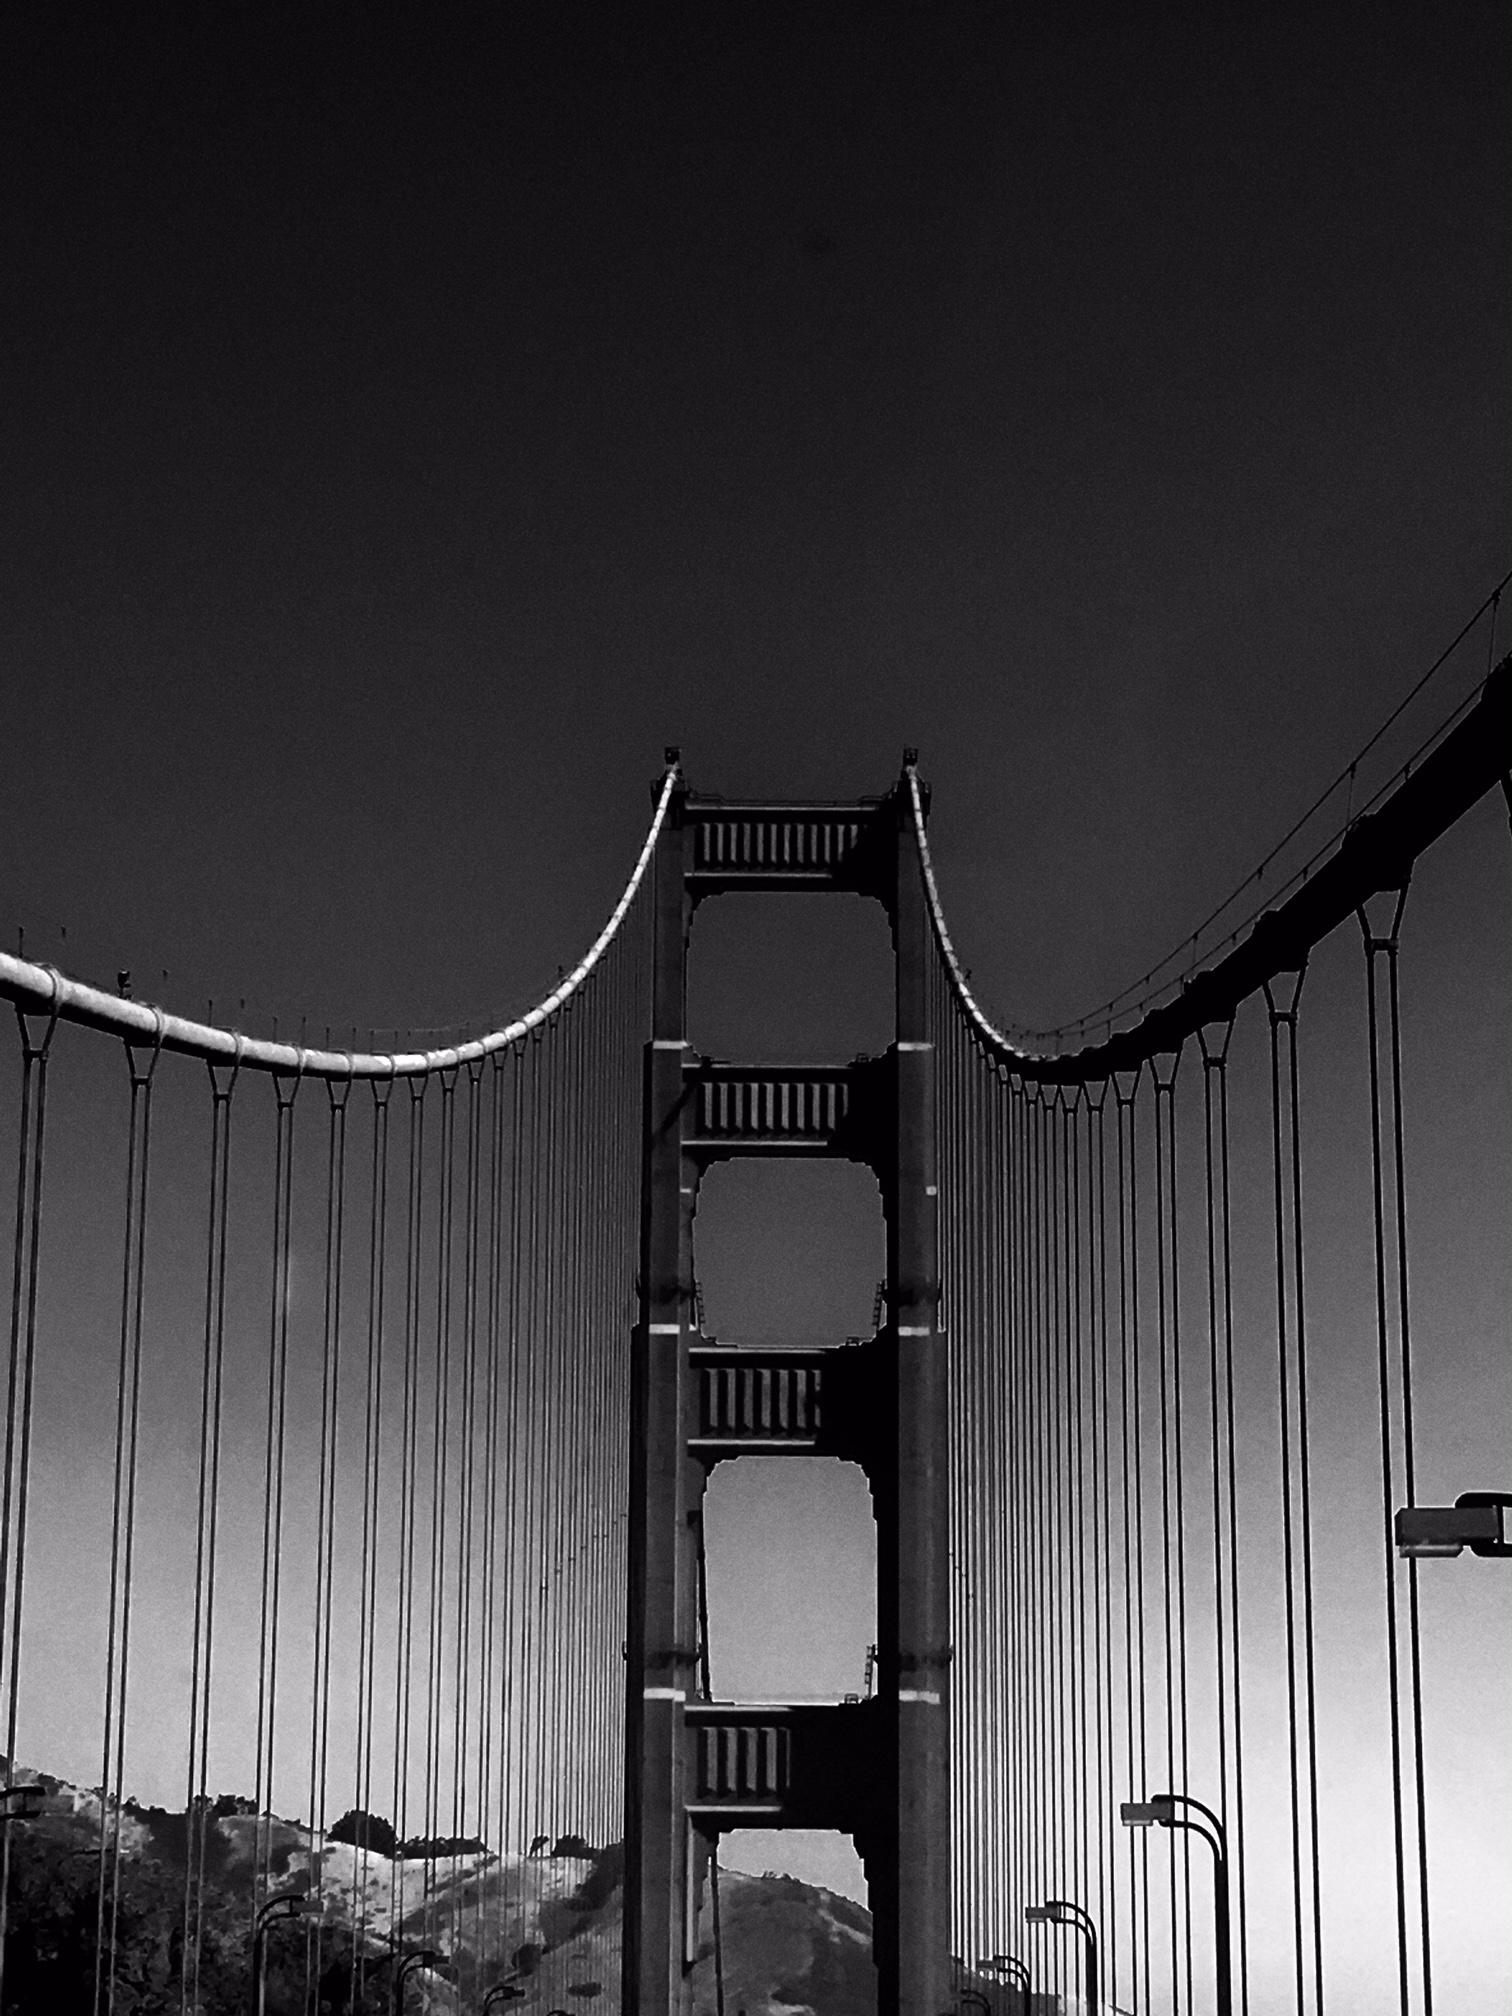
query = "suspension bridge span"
{"x": 360, "y": 1413}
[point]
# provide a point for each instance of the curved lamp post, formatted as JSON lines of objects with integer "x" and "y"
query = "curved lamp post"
{"x": 423, "y": 1956}
{"x": 1010, "y": 1965}
{"x": 1169, "y": 1809}
{"x": 502, "y": 1991}
{"x": 1014, "y": 1973}
{"x": 287, "y": 1904}
{"x": 1058, "y": 1911}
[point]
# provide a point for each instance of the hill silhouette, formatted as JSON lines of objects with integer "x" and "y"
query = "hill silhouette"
{"x": 548, "y": 1922}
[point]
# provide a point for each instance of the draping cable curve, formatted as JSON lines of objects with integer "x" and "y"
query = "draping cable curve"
{"x": 1374, "y": 852}
{"x": 43, "y": 989}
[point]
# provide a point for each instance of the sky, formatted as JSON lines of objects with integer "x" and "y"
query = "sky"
{"x": 414, "y": 426}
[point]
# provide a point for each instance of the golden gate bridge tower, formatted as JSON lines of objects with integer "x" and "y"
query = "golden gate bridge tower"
{"x": 879, "y": 1769}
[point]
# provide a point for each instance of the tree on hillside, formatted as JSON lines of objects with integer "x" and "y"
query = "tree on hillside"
{"x": 50, "y": 1942}
{"x": 365, "y": 1830}
{"x": 435, "y": 1847}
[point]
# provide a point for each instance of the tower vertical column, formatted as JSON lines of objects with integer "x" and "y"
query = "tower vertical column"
{"x": 913, "y": 1915}
{"x": 660, "y": 1648}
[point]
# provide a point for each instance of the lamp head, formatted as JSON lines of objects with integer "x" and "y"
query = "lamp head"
{"x": 1157, "y": 1812}
{"x": 1479, "y": 1520}
{"x": 1037, "y": 1914}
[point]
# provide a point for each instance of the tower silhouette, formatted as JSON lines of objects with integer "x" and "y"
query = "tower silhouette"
{"x": 877, "y": 1769}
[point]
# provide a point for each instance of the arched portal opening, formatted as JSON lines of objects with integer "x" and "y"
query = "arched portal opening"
{"x": 773, "y": 981}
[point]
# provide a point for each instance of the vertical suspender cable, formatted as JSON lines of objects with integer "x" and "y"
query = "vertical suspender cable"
{"x": 461, "y": 1650}
{"x": 1087, "y": 1789}
{"x": 435, "y": 1661}
{"x": 1305, "y": 1468}
{"x": 530, "y": 1662}
{"x": 1296, "y": 1521}
{"x": 1126, "y": 1088}
{"x": 372, "y": 1469}
{"x": 1108, "y": 1912}
{"x": 1231, "y": 1440}
{"x": 978, "y": 1092}
{"x": 1167, "y": 1408}
{"x": 1374, "y": 946}
{"x": 1389, "y": 1199}
{"x": 1063, "y": 1480}
{"x": 1409, "y": 1465}
{"x": 490, "y": 1669}
{"x": 1001, "y": 1535}
{"x": 993, "y": 1357}
{"x": 1060, "y": 1433}
{"x": 596, "y": 1130}
{"x": 574, "y": 1432}
{"x": 337, "y": 1090}
{"x": 1223, "y": 1461}
{"x": 549, "y": 1400}
{"x": 1173, "y": 1506}
{"x": 123, "y": 1517}
{"x": 286, "y": 1090}
{"x": 409, "y": 1441}
{"x": 467, "y": 1651}
{"x": 14, "y": 1507}
{"x": 598, "y": 1133}
{"x": 516, "y": 1583}
{"x": 958, "y": 1319}
{"x": 1029, "y": 1474}
{"x": 571, "y": 1422}
{"x": 1023, "y": 1532}
{"x": 1039, "y": 1835}
{"x": 207, "y": 1510}
{"x": 510, "y": 1480}
{"x": 1288, "y": 1543}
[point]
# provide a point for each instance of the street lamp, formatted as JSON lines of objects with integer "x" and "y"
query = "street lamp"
{"x": 1057, "y": 1911}
{"x": 502, "y": 1991}
{"x": 1164, "y": 1810}
{"x": 1011, "y": 1965}
{"x": 287, "y": 1904}
{"x": 423, "y": 1956}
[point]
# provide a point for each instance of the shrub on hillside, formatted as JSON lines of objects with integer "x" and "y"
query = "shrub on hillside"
{"x": 365, "y": 1830}
{"x": 432, "y": 1848}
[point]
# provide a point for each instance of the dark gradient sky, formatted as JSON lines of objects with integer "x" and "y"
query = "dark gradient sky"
{"x": 411, "y": 427}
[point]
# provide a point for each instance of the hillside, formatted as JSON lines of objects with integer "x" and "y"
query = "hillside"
{"x": 548, "y": 1923}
